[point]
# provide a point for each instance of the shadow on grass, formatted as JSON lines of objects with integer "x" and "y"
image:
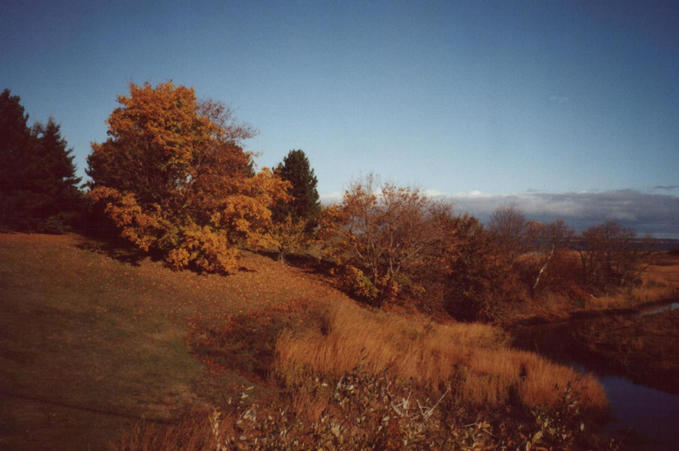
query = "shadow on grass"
{"x": 124, "y": 252}
{"x": 305, "y": 262}
{"x": 115, "y": 250}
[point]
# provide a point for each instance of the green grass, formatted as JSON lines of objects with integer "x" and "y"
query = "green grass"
{"x": 89, "y": 344}
{"x": 69, "y": 347}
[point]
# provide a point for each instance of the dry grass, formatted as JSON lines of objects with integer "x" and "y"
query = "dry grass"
{"x": 497, "y": 375}
{"x": 472, "y": 358}
{"x": 659, "y": 282}
{"x": 192, "y": 433}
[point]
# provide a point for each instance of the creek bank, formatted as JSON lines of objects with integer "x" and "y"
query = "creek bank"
{"x": 635, "y": 355}
{"x": 643, "y": 348}
{"x": 638, "y": 344}
{"x": 642, "y": 309}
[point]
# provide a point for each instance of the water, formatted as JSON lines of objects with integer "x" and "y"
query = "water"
{"x": 652, "y": 414}
{"x": 659, "y": 309}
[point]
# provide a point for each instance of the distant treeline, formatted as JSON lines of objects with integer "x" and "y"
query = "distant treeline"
{"x": 659, "y": 244}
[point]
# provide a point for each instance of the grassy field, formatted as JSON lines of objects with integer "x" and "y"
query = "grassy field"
{"x": 93, "y": 339}
{"x": 90, "y": 343}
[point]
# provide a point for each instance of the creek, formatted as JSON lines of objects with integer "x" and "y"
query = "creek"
{"x": 651, "y": 415}
{"x": 661, "y": 308}
{"x": 648, "y": 417}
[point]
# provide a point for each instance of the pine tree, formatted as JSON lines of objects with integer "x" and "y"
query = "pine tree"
{"x": 38, "y": 187}
{"x": 305, "y": 205}
{"x": 55, "y": 172}
{"x": 15, "y": 138}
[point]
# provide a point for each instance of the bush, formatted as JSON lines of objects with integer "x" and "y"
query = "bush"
{"x": 356, "y": 283}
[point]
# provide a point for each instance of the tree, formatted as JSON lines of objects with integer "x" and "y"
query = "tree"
{"x": 548, "y": 242}
{"x": 37, "y": 180}
{"x": 15, "y": 139}
{"x": 296, "y": 218}
{"x": 508, "y": 225}
{"x": 611, "y": 256}
{"x": 304, "y": 204}
{"x": 174, "y": 179}
{"x": 57, "y": 170}
{"x": 476, "y": 278}
{"x": 385, "y": 236}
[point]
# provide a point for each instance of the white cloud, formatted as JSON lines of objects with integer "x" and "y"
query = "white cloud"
{"x": 434, "y": 193}
{"x": 474, "y": 193}
{"x": 657, "y": 214}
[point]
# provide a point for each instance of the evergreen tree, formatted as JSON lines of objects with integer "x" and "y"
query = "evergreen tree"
{"x": 15, "y": 138}
{"x": 38, "y": 187}
{"x": 305, "y": 204}
{"x": 54, "y": 175}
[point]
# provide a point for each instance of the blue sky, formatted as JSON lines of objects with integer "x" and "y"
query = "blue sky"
{"x": 467, "y": 99}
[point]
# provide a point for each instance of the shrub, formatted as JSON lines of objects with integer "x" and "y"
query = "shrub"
{"x": 356, "y": 283}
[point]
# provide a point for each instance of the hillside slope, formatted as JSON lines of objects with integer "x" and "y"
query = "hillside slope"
{"x": 90, "y": 343}
{"x": 94, "y": 339}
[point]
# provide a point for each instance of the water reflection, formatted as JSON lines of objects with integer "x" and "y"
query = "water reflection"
{"x": 659, "y": 309}
{"x": 653, "y": 414}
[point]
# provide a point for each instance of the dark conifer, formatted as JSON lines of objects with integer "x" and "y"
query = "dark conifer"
{"x": 305, "y": 204}
{"x": 38, "y": 186}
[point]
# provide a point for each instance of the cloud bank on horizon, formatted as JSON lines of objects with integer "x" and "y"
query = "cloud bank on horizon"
{"x": 647, "y": 213}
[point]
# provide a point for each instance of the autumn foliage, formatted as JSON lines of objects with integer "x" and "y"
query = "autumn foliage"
{"x": 174, "y": 179}
{"x": 612, "y": 256}
{"x": 395, "y": 243}
{"x": 382, "y": 237}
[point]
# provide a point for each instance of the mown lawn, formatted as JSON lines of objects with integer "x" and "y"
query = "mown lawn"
{"x": 89, "y": 343}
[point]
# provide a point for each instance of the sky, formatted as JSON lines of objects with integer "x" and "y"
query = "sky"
{"x": 562, "y": 108}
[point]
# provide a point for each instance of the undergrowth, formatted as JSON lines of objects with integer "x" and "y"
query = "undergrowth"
{"x": 364, "y": 411}
{"x": 351, "y": 378}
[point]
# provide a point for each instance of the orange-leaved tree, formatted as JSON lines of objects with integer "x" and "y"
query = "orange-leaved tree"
{"x": 174, "y": 179}
{"x": 384, "y": 237}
